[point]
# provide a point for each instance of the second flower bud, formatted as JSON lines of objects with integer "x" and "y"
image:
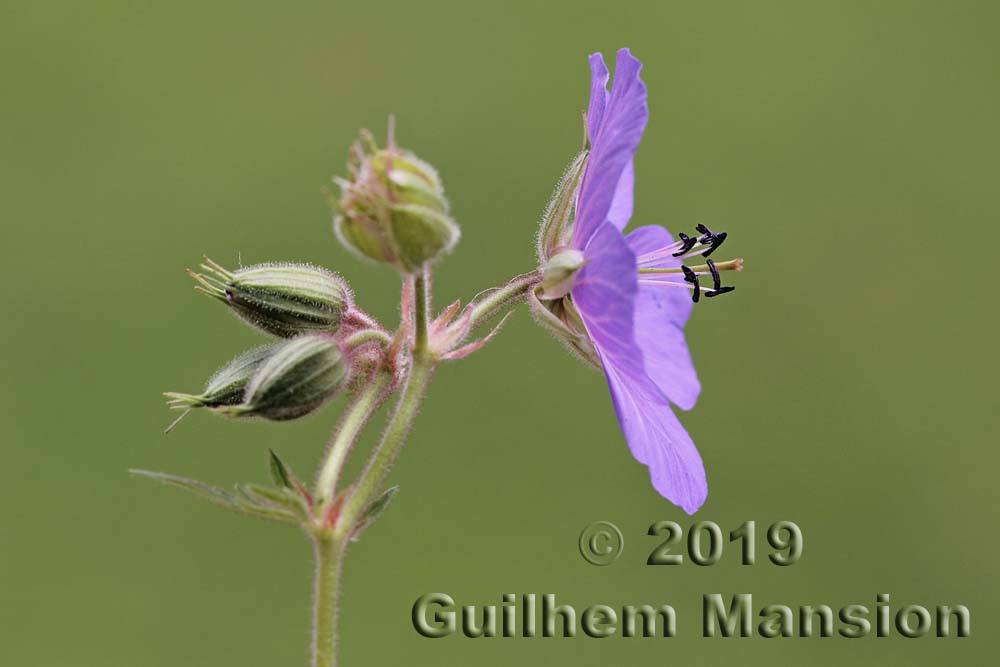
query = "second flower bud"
{"x": 277, "y": 382}
{"x": 392, "y": 209}
{"x": 282, "y": 299}
{"x": 298, "y": 377}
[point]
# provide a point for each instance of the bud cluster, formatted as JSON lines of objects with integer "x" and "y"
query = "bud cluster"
{"x": 392, "y": 209}
{"x": 312, "y": 310}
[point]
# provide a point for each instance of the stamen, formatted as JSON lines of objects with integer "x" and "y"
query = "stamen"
{"x": 691, "y": 277}
{"x": 710, "y": 238}
{"x": 688, "y": 246}
{"x": 716, "y": 280}
{"x": 687, "y": 242}
{"x": 715, "y": 243}
{"x": 666, "y": 283}
{"x": 685, "y": 248}
{"x": 661, "y": 254}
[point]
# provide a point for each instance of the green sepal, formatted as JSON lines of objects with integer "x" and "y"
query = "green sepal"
{"x": 421, "y": 234}
{"x": 374, "y": 510}
{"x": 557, "y": 221}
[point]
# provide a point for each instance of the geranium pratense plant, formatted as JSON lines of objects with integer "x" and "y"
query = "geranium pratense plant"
{"x": 619, "y": 302}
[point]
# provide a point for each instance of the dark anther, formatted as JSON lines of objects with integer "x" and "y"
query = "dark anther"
{"x": 710, "y": 239}
{"x": 721, "y": 290}
{"x": 716, "y": 280}
{"x": 714, "y": 243}
{"x": 692, "y": 277}
{"x": 717, "y": 287}
{"x": 688, "y": 242}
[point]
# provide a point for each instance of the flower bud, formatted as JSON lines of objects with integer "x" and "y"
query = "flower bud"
{"x": 393, "y": 208}
{"x": 282, "y": 299}
{"x": 296, "y": 378}
{"x": 229, "y": 383}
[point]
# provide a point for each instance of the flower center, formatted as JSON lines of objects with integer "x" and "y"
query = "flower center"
{"x": 559, "y": 273}
{"x": 703, "y": 244}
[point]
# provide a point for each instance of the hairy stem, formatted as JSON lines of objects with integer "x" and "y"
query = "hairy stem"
{"x": 351, "y": 423}
{"x": 367, "y": 336}
{"x": 421, "y": 308}
{"x": 373, "y": 477}
{"x": 370, "y": 483}
{"x": 495, "y": 300}
{"x": 330, "y": 543}
{"x": 329, "y": 553}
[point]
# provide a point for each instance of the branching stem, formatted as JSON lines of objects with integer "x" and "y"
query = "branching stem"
{"x": 351, "y": 423}
{"x": 331, "y": 542}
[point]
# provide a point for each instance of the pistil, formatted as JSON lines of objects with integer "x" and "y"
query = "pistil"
{"x": 701, "y": 269}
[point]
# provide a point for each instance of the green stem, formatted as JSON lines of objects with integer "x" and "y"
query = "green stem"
{"x": 421, "y": 306}
{"x": 370, "y": 483}
{"x": 368, "y": 336}
{"x": 330, "y": 545}
{"x": 329, "y": 553}
{"x": 497, "y": 299}
{"x": 384, "y": 457}
{"x": 353, "y": 421}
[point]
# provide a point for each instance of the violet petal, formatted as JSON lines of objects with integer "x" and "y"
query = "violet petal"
{"x": 612, "y": 147}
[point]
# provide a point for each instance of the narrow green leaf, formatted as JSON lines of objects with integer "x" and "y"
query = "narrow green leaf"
{"x": 374, "y": 511}
{"x": 268, "y": 513}
{"x": 211, "y": 493}
{"x": 269, "y": 497}
{"x": 280, "y": 473}
{"x": 218, "y": 496}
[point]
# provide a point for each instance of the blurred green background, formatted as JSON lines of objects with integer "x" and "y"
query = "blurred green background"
{"x": 849, "y": 148}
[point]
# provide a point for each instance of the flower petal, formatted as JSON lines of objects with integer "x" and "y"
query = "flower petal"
{"x": 660, "y": 315}
{"x": 598, "y": 94}
{"x": 605, "y": 290}
{"x": 605, "y": 297}
{"x": 612, "y": 147}
{"x": 620, "y": 211}
{"x": 657, "y": 439}
{"x": 664, "y": 350}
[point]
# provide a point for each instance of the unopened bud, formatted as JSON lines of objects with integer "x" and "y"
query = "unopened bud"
{"x": 393, "y": 209}
{"x": 229, "y": 383}
{"x": 282, "y": 299}
{"x": 296, "y": 378}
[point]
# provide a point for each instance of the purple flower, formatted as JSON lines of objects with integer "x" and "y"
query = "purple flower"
{"x": 621, "y": 302}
